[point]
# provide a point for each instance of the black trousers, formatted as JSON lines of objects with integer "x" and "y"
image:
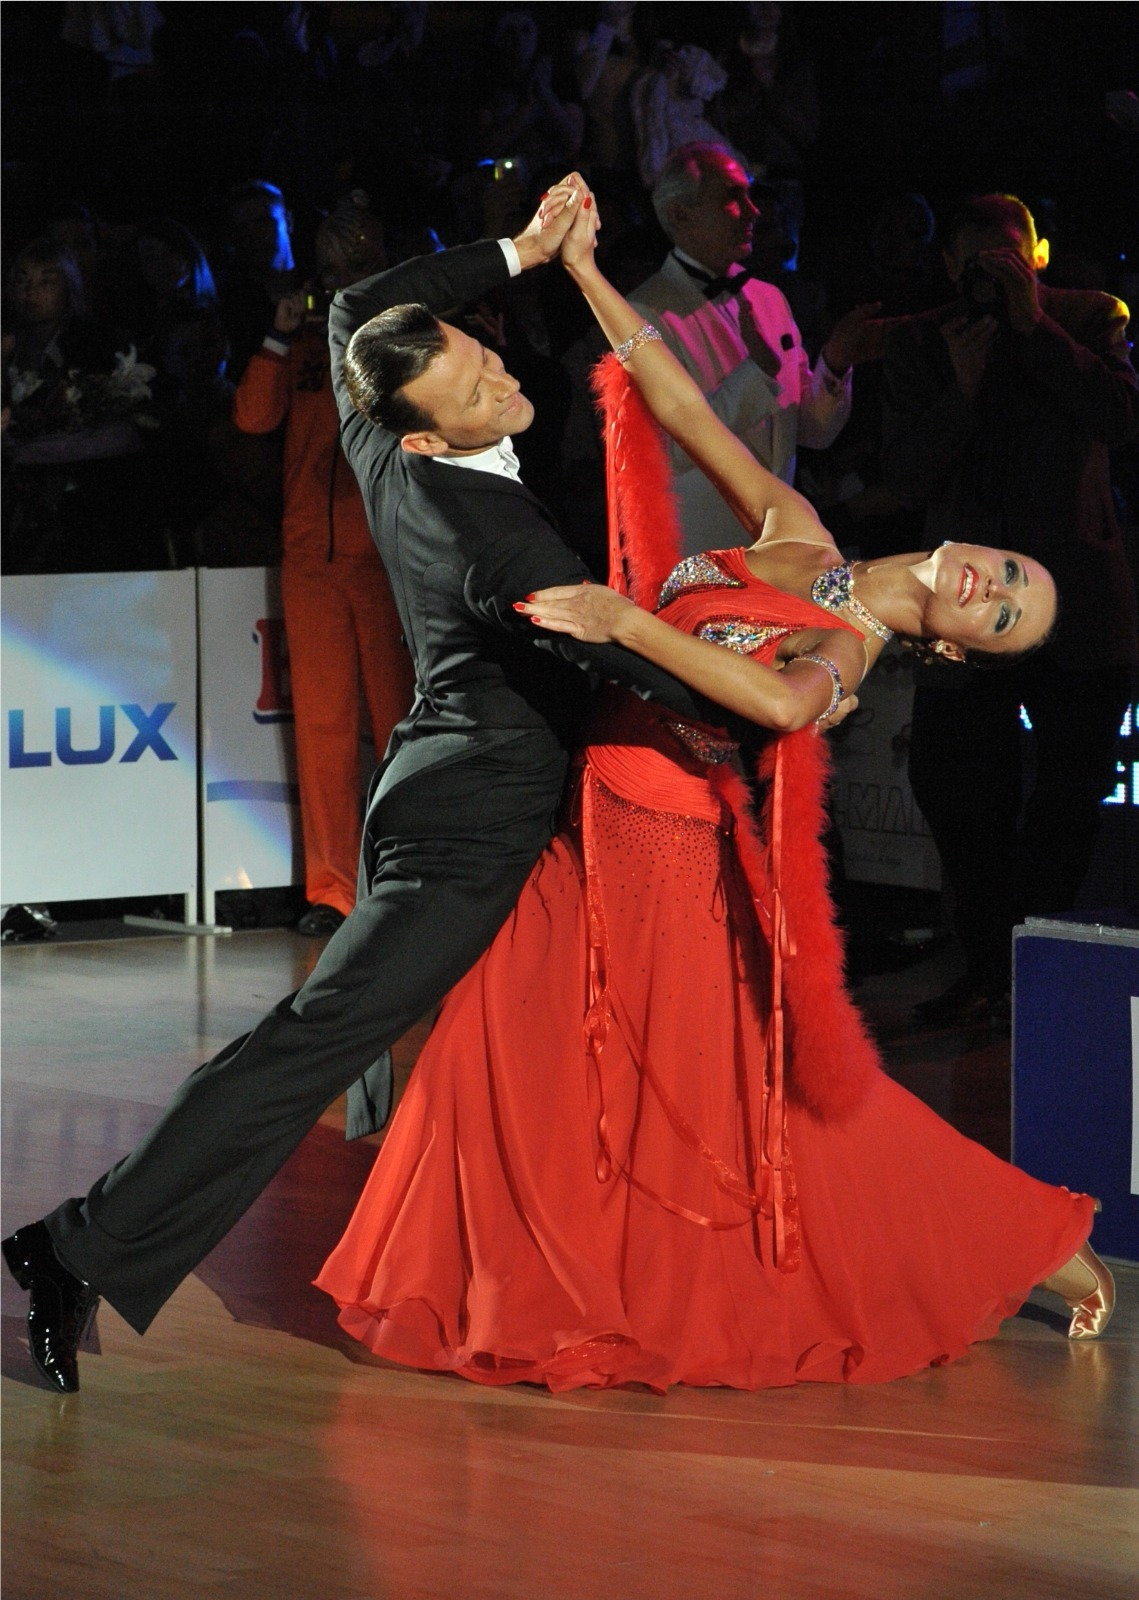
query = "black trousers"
{"x": 1007, "y": 855}
{"x": 448, "y": 852}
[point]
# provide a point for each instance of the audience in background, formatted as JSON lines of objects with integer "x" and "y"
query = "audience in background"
{"x": 1000, "y": 410}
{"x": 79, "y": 401}
{"x": 258, "y": 265}
{"x": 281, "y": 108}
{"x": 608, "y": 58}
{"x": 669, "y": 102}
{"x": 769, "y": 107}
{"x": 525, "y": 112}
{"x": 154, "y": 151}
{"x": 736, "y": 335}
{"x": 340, "y": 619}
{"x": 898, "y": 269}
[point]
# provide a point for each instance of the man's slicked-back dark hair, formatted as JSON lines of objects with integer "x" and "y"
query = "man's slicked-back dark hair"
{"x": 388, "y": 352}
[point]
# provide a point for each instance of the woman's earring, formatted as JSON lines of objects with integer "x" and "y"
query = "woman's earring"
{"x": 947, "y": 650}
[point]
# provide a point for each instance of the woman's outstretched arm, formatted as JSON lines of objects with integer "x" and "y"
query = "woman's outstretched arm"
{"x": 764, "y": 504}
{"x": 784, "y": 698}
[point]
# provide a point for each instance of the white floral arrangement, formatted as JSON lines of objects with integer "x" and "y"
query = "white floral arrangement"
{"x": 75, "y": 402}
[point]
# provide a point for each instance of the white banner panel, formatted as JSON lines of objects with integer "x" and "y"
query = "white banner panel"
{"x": 885, "y": 837}
{"x": 99, "y": 782}
{"x": 251, "y": 830}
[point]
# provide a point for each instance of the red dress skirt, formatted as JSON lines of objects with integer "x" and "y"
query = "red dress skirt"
{"x": 597, "y": 1176}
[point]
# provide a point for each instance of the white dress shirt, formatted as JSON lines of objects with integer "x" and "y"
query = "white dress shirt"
{"x": 498, "y": 458}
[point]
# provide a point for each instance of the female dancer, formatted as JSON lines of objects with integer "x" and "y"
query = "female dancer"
{"x": 649, "y": 1139}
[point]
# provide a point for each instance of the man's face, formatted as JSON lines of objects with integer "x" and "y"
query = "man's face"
{"x": 961, "y": 257}
{"x": 716, "y": 228}
{"x": 471, "y": 398}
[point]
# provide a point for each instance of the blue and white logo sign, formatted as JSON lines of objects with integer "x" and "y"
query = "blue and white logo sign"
{"x": 100, "y": 736}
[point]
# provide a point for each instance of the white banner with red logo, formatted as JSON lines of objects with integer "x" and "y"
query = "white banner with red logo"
{"x": 100, "y": 772}
{"x": 251, "y": 835}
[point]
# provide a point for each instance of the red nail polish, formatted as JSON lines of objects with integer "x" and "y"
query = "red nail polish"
{"x": 530, "y": 597}
{"x": 545, "y": 196}
{"x": 588, "y": 203}
{"x": 518, "y": 606}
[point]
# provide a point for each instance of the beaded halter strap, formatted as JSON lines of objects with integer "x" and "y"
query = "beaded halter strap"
{"x": 834, "y": 591}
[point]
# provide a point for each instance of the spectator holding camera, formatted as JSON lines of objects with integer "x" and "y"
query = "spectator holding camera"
{"x": 340, "y": 620}
{"x": 1000, "y": 411}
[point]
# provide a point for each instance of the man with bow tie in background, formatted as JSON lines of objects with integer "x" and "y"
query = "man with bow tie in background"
{"x": 737, "y": 337}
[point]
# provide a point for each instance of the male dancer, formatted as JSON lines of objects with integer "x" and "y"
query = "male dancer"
{"x": 460, "y": 809}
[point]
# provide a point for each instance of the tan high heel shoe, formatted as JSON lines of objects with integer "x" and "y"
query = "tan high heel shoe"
{"x": 1089, "y": 1288}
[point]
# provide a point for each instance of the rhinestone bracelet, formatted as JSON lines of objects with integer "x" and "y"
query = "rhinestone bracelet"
{"x": 645, "y": 334}
{"x": 839, "y": 691}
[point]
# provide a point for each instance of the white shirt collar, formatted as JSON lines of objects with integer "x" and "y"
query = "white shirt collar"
{"x": 498, "y": 458}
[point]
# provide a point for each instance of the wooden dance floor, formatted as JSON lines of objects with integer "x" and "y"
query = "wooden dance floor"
{"x": 245, "y": 1449}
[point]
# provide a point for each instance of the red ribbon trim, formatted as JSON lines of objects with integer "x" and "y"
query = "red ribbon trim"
{"x": 605, "y": 1008}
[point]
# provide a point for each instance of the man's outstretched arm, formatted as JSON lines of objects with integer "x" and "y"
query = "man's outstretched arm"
{"x": 449, "y": 278}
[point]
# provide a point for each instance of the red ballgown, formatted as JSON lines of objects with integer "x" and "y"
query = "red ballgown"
{"x": 648, "y": 1140}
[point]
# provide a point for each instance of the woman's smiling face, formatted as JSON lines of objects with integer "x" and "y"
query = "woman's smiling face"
{"x": 985, "y": 599}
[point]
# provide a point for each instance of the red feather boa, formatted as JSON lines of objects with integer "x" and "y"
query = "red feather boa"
{"x": 644, "y": 529}
{"x": 831, "y": 1060}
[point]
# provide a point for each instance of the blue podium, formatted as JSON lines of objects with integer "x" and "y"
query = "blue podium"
{"x": 1075, "y": 1067}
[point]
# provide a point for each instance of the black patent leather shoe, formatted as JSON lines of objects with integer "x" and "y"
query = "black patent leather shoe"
{"x": 60, "y": 1309}
{"x": 320, "y": 921}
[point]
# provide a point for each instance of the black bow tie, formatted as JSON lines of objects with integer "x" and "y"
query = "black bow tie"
{"x": 714, "y": 286}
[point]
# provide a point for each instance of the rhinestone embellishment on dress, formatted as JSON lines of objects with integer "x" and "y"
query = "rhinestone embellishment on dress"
{"x": 695, "y": 572}
{"x": 742, "y": 634}
{"x": 708, "y": 747}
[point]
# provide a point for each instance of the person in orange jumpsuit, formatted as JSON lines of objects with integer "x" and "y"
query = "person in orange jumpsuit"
{"x": 340, "y": 620}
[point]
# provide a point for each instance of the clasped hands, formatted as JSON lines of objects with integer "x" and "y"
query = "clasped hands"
{"x": 551, "y": 230}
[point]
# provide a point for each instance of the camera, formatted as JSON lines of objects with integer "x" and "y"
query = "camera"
{"x": 983, "y": 295}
